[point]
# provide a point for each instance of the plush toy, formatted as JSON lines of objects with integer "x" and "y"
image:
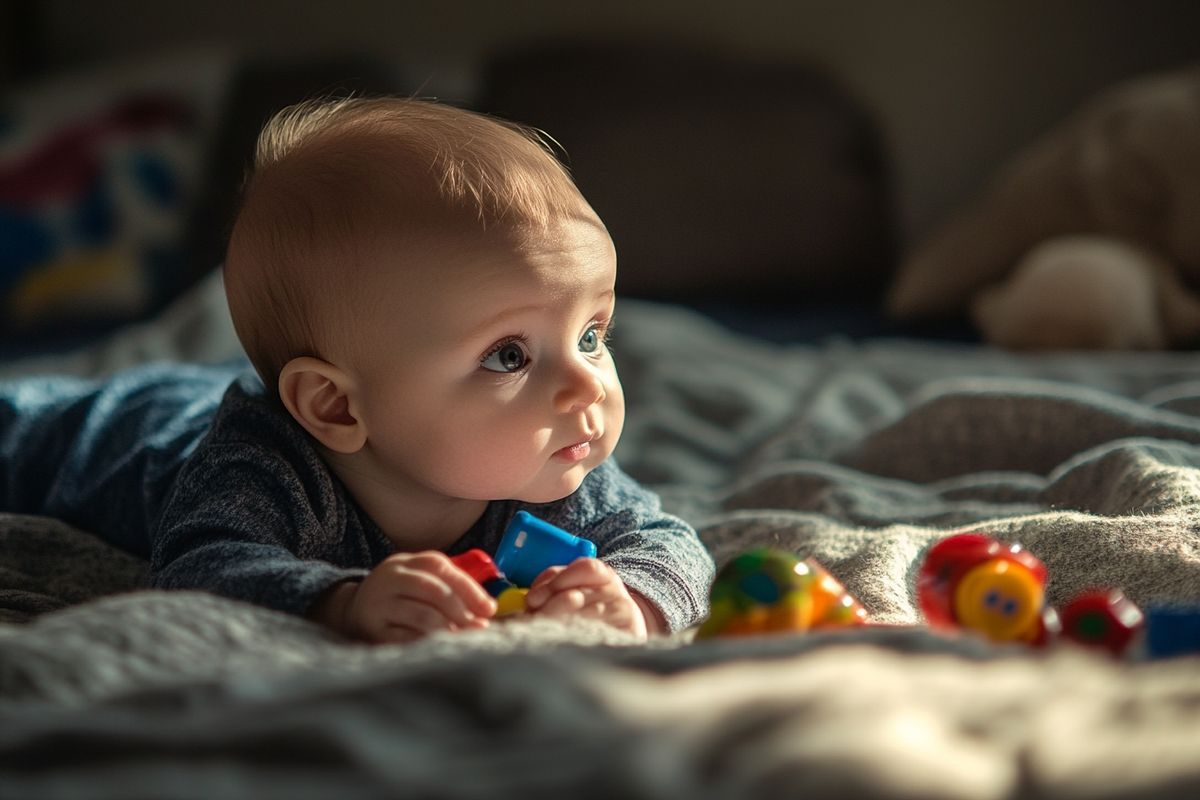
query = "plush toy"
{"x": 1088, "y": 292}
{"x": 1087, "y": 239}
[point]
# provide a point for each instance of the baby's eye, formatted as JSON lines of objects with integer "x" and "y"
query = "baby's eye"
{"x": 591, "y": 341}
{"x": 506, "y": 357}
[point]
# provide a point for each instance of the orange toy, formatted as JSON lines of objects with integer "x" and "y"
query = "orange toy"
{"x": 770, "y": 591}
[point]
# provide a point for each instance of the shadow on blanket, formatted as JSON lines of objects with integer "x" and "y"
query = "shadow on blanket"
{"x": 46, "y": 565}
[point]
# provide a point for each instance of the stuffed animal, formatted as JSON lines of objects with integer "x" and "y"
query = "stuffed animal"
{"x": 1088, "y": 239}
{"x": 1088, "y": 292}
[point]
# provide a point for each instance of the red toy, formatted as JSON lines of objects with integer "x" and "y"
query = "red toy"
{"x": 974, "y": 582}
{"x": 1105, "y": 619}
{"x": 478, "y": 565}
{"x": 510, "y": 599}
{"x": 977, "y": 582}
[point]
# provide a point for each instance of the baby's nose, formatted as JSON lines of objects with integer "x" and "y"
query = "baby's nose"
{"x": 581, "y": 388}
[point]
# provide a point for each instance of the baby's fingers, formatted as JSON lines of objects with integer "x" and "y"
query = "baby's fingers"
{"x": 579, "y": 574}
{"x": 599, "y": 604}
{"x": 428, "y": 591}
{"x": 449, "y": 588}
{"x": 567, "y": 602}
{"x": 548, "y": 574}
{"x": 403, "y": 619}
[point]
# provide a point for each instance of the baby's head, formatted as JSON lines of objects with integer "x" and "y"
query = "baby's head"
{"x": 429, "y": 292}
{"x": 343, "y": 188}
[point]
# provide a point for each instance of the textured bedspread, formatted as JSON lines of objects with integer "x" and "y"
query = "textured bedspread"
{"x": 859, "y": 455}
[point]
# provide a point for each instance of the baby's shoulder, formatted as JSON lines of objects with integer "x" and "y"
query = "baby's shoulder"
{"x": 252, "y": 423}
{"x": 247, "y": 413}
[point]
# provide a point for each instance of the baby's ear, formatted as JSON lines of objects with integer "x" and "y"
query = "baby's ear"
{"x": 319, "y": 396}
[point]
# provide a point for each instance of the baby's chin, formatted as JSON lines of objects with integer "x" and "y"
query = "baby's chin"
{"x": 553, "y": 491}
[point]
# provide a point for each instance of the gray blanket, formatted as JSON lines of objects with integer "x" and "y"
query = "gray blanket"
{"x": 859, "y": 455}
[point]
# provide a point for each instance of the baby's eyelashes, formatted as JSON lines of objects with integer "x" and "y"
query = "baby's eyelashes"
{"x": 508, "y": 355}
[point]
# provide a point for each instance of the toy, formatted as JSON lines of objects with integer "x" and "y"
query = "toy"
{"x": 1014, "y": 252}
{"x": 1172, "y": 631}
{"x": 973, "y": 582}
{"x": 995, "y": 588}
{"x": 768, "y": 591}
{"x": 510, "y": 599}
{"x": 1116, "y": 292}
{"x": 478, "y": 565}
{"x": 528, "y": 547}
{"x": 1103, "y": 618}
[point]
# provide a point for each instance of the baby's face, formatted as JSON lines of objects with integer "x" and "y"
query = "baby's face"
{"x": 488, "y": 376}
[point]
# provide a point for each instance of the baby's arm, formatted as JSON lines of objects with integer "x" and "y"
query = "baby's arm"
{"x": 654, "y": 563}
{"x": 590, "y": 588}
{"x": 405, "y": 597}
{"x": 266, "y": 525}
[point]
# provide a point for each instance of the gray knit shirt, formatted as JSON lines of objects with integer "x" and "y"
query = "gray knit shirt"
{"x": 198, "y": 469}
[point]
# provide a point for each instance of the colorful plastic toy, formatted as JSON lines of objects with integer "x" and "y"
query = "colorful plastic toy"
{"x": 1172, "y": 631}
{"x": 1104, "y": 619}
{"x": 510, "y": 599}
{"x": 974, "y": 582}
{"x": 479, "y": 565}
{"x": 979, "y": 583}
{"x": 770, "y": 591}
{"x": 528, "y": 547}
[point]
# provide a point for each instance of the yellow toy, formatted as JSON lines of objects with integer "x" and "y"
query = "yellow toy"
{"x": 511, "y": 601}
{"x": 771, "y": 591}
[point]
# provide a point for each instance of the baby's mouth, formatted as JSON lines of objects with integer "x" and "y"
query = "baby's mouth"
{"x": 578, "y": 451}
{"x": 574, "y": 452}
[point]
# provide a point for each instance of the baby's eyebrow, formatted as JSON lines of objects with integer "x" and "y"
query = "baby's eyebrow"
{"x": 495, "y": 320}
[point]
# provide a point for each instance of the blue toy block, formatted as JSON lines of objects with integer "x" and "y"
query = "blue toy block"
{"x": 1172, "y": 631}
{"x": 498, "y": 586}
{"x": 530, "y": 545}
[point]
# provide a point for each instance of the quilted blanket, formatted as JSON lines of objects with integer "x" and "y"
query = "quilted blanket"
{"x": 858, "y": 454}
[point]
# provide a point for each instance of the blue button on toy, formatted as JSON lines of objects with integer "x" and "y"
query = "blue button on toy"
{"x": 530, "y": 545}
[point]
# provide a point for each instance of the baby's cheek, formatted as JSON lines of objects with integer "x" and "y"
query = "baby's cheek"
{"x": 614, "y": 409}
{"x": 492, "y": 462}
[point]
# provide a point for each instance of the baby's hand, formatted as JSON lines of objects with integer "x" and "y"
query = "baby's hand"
{"x": 590, "y": 588}
{"x": 409, "y": 595}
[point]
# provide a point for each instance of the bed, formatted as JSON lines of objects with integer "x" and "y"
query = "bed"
{"x": 860, "y": 451}
{"x": 859, "y": 454}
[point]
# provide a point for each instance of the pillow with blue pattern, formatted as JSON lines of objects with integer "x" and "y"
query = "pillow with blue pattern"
{"x": 97, "y": 177}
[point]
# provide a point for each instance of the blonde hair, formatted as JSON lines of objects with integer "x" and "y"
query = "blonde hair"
{"x": 329, "y": 175}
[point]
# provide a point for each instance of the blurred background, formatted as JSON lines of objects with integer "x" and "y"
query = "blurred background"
{"x": 759, "y": 153}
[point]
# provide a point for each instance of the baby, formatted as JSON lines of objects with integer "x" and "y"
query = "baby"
{"x": 426, "y": 299}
